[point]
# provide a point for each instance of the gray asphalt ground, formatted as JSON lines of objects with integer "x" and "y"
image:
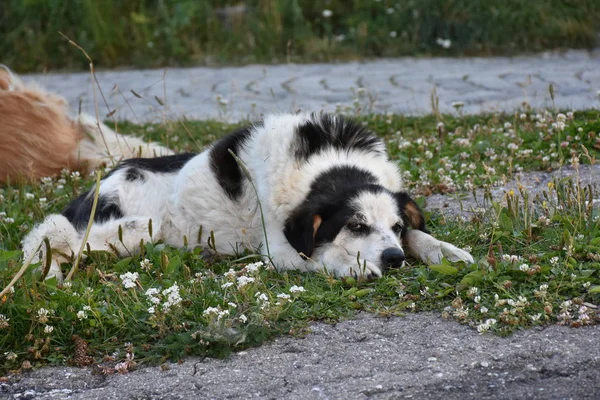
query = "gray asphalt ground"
{"x": 397, "y": 85}
{"x": 420, "y": 356}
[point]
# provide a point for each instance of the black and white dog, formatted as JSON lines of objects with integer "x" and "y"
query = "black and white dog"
{"x": 330, "y": 198}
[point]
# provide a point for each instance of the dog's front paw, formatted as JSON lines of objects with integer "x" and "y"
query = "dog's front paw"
{"x": 350, "y": 267}
{"x": 454, "y": 254}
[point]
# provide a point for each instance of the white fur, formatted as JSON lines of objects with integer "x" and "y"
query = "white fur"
{"x": 181, "y": 203}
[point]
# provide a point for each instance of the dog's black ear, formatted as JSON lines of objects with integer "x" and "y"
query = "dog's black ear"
{"x": 300, "y": 231}
{"x": 411, "y": 213}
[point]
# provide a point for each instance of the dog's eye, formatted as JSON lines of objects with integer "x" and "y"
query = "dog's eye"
{"x": 358, "y": 227}
{"x": 397, "y": 228}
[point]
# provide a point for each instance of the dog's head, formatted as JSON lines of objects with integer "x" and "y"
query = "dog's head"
{"x": 366, "y": 221}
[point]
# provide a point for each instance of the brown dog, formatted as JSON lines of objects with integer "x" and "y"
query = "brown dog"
{"x": 38, "y": 138}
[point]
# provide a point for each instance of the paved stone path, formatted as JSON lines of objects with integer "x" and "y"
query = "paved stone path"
{"x": 397, "y": 85}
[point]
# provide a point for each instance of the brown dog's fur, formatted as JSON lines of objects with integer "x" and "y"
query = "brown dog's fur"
{"x": 38, "y": 138}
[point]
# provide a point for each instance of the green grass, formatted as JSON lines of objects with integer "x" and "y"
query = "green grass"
{"x": 534, "y": 265}
{"x": 151, "y": 33}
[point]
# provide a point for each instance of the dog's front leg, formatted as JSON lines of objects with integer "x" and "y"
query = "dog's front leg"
{"x": 340, "y": 262}
{"x": 431, "y": 250}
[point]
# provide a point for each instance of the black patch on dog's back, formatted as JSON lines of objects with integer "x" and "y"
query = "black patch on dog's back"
{"x": 224, "y": 166}
{"x": 135, "y": 167}
{"x": 330, "y": 197}
{"x": 323, "y": 131}
{"x": 79, "y": 211}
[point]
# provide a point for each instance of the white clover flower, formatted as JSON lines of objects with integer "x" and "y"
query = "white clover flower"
{"x": 81, "y": 315}
{"x": 254, "y": 266}
{"x": 243, "y": 319}
{"x": 4, "y": 321}
{"x": 283, "y": 296}
{"x": 243, "y": 281}
{"x": 230, "y": 274}
{"x": 297, "y": 289}
{"x": 226, "y": 285}
{"x": 129, "y": 278}
{"x": 327, "y": 13}
{"x": 146, "y": 264}
{"x": 554, "y": 261}
{"x": 483, "y": 310}
{"x": 263, "y": 297}
{"x": 48, "y": 329}
{"x": 587, "y": 284}
{"x": 473, "y": 291}
{"x": 10, "y": 356}
{"x": 524, "y": 267}
{"x": 222, "y": 314}
{"x": 232, "y": 305}
{"x": 151, "y": 310}
{"x": 43, "y": 315}
{"x": 29, "y": 196}
{"x": 477, "y": 299}
{"x": 210, "y": 311}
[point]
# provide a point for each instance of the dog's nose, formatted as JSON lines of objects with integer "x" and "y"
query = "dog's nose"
{"x": 392, "y": 257}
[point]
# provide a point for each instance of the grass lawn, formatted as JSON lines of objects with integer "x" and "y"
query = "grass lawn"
{"x": 535, "y": 265}
{"x": 145, "y": 33}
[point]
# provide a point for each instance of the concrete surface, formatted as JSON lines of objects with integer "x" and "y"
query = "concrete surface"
{"x": 420, "y": 356}
{"x": 402, "y": 85}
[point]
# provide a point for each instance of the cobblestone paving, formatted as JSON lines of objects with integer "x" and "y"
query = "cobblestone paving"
{"x": 401, "y": 85}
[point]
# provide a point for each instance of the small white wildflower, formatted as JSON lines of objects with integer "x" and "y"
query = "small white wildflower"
{"x": 254, "y": 266}
{"x": 243, "y": 319}
{"x": 535, "y": 317}
{"x": 230, "y": 274}
{"x": 327, "y": 13}
{"x": 283, "y": 296}
{"x": 587, "y": 284}
{"x": 473, "y": 291}
{"x": 4, "y": 321}
{"x": 146, "y": 264}
{"x": 297, "y": 289}
{"x": 210, "y": 311}
{"x": 483, "y": 310}
{"x": 29, "y": 196}
{"x": 222, "y": 314}
{"x": 81, "y": 315}
{"x": 554, "y": 261}
{"x": 393, "y": 34}
{"x": 151, "y": 310}
{"x": 477, "y": 299}
{"x": 232, "y": 305}
{"x": 263, "y": 297}
{"x": 226, "y": 285}
{"x": 43, "y": 315}
{"x": 48, "y": 329}
{"x": 10, "y": 356}
{"x": 390, "y": 11}
{"x": 243, "y": 281}
{"x": 173, "y": 296}
{"x": 445, "y": 43}
{"x": 524, "y": 267}
{"x": 129, "y": 278}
